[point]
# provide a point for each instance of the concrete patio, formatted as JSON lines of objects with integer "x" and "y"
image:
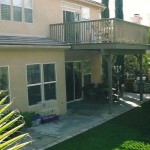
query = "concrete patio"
{"x": 81, "y": 116}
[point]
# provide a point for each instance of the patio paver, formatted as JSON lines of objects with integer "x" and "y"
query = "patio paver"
{"x": 80, "y": 117}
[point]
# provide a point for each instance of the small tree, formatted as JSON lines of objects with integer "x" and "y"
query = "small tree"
{"x": 119, "y": 9}
{"x": 10, "y": 123}
{"x": 119, "y": 15}
{"x": 105, "y": 13}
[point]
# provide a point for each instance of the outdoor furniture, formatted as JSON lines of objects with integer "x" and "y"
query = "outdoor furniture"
{"x": 89, "y": 92}
{"x": 95, "y": 92}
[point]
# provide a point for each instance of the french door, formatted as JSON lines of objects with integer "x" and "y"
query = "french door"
{"x": 73, "y": 80}
{"x": 71, "y": 30}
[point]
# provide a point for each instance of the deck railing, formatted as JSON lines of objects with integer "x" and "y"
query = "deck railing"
{"x": 99, "y": 31}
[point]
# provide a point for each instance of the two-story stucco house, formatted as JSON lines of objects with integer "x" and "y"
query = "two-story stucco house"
{"x": 32, "y": 67}
{"x": 50, "y": 49}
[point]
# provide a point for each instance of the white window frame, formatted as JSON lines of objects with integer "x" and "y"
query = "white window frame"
{"x": 9, "y": 92}
{"x": 85, "y": 15}
{"x": 42, "y": 83}
{"x": 49, "y": 81}
{"x": 22, "y": 6}
{"x": 8, "y": 4}
{"x": 37, "y": 84}
{"x": 28, "y": 7}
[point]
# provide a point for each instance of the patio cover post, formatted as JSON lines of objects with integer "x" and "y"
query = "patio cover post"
{"x": 141, "y": 79}
{"x": 109, "y": 82}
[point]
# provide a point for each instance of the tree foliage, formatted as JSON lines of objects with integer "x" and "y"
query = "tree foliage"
{"x": 105, "y": 13}
{"x": 119, "y": 15}
{"x": 119, "y": 9}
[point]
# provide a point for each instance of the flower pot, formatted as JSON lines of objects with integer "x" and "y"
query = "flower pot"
{"x": 50, "y": 118}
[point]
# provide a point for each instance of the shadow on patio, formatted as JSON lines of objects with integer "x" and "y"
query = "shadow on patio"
{"x": 81, "y": 116}
{"x": 96, "y": 108}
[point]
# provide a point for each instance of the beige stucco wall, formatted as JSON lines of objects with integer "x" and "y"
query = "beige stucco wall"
{"x": 17, "y": 59}
{"x": 92, "y": 55}
{"x": 45, "y": 12}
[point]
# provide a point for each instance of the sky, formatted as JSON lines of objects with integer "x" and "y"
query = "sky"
{"x": 131, "y": 7}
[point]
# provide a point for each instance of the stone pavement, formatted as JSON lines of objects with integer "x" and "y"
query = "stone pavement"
{"x": 80, "y": 117}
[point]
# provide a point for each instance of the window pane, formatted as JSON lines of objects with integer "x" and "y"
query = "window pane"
{"x": 28, "y": 15}
{"x": 17, "y": 3}
{"x": 50, "y": 91}
{"x": 87, "y": 79}
{"x": 34, "y": 94}
{"x": 5, "y": 12}
{"x": 4, "y": 82}
{"x": 7, "y": 2}
{"x": 17, "y": 12}
{"x": 85, "y": 13}
{"x": 28, "y": 3}
{"x": 33, "y": 74}
{"x": 3, "y": 78}
{"x": 49, "y": 72}
{"x": 86, "y": 67}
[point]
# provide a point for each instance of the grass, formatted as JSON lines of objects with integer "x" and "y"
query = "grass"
{"x": 129, "y": 131}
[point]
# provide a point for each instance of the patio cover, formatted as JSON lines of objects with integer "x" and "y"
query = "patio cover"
{"x": 109, "y": 49}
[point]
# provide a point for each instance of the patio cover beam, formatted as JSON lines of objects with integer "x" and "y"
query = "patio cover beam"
{"x": 116, "y": 47}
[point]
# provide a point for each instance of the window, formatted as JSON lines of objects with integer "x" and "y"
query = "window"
{"x": 49, "y": 81}
{"x": 41, "y": 81}
{"x": 28, "y": 13}
{"x": 71, "y": 12}
{"x": 85, "y": 13}
{"x": 4, "y": 82}
{"x": 5, "y": 9}
{"x": 87, "y": 69}
{"x": 34, "y": 83}
{"x": 17, "y": 11}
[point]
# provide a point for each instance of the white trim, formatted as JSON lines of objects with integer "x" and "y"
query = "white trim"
{"x": 78, "y": 61}
{"x": 42, "y": 83}
{"x": 22, "y": 15}
{"x": 67, "y": 7}
{"x": 33, "y": 84}
{"x": 28, "y": 7}
{"x": 9, "y": 91}
{"x": 5, "y": 3}
{"x": 88, "y": 17}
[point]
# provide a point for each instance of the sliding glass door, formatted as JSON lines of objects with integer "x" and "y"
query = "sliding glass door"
{"x": 71, "y": 30}
{"x": 73, "y": 80}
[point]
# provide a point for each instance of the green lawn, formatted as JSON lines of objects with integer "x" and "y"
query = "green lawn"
{"x": 130, "y": 131}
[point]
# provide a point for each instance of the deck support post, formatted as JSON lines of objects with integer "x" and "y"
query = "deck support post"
{"x": 141, "y": 77}
{"x": 109, "y": 61}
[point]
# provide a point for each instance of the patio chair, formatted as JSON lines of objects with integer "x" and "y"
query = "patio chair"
{"x": 89, "y": 92}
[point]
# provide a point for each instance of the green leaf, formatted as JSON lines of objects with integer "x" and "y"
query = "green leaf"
{"x": 5, "y": 108}
{"x": 9, "y": 124}
{"x": 7, "y": 116}
{"x": 17, "y": 147}
{"x": 12, "y": 141}
{"x": 5, "y": 135}
{"x": 3, "y": 100}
